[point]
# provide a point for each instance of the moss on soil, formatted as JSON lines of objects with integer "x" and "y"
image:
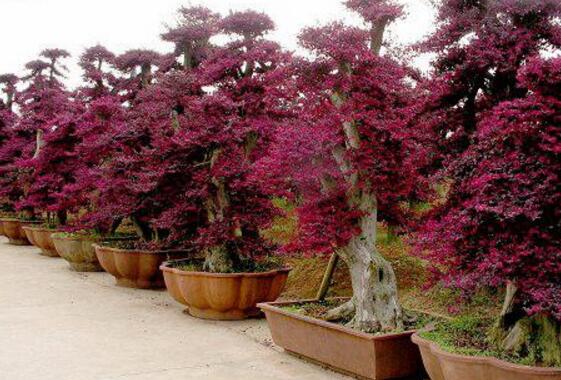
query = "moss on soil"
{"x": 319, "y": 309}
{"x": 468, "y": 335}
{"x": 245, "y": 266}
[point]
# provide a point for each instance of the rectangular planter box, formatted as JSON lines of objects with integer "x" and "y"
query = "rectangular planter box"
{"x": 366, "y": 356}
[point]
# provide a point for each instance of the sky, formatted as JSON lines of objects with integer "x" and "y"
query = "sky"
{"x": 29, "y": 26}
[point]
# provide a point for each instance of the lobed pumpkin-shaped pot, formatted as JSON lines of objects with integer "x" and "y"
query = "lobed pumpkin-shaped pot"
{"x": 223, "y": 296}
{"x": 442, "y": 365}
{"x": 13, "y": 228}
{"x": 41, "y": 238}
{"x": 79, "y": 251}
{"x": 134, "y": 268}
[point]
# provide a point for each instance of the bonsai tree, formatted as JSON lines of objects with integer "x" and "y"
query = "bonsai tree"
{"x": 98, "y": 110}
{"x": 219, "y": 136}
{"x": 10, "y": 145}
{"x": 350, "y": 160}
{"x": 500, "y": 224}
{"x": 191, "y": 35}
{"x": 126, "y": 134}
{"x": 146, "y": 163}
{"x": 46, "y": 109}
{"x": 494, "y": 107}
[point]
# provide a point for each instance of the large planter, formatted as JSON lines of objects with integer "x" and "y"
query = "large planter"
{"x": 2, "y": 233}
{"x": 79, "y": 252}
{"x": 442, "y": 365}
{"x": 368, "y": 356}
{"x": 13, "y": 228}
{"x": 136, "y": 268}
{"x": 41, "y": 238}
{"x": 223, "y": 296}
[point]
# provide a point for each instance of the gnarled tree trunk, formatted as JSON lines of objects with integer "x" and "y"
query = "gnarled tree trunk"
{"x": 375, "y": 305}
{"x": 218, "y": 259}
{"x": 538, "y": 336}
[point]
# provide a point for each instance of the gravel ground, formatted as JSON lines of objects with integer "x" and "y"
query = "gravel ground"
{"x": 58, "y": 324}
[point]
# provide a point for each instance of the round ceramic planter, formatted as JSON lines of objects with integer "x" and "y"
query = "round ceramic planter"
{"x": 2, "y": 233}
{"x": 136, "y": 268}
{"x": 223, "y": 296}
{"x": 41, "y": 238}
{"x": 79, "y": 251}
{"x": 13, "y": 228}
{"x": 442, "y": 365}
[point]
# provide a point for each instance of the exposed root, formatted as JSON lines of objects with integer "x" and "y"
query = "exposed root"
{"x": 344, "y": 312}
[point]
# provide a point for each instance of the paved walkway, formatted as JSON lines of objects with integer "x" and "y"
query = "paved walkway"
{"x": 58, "y": 324}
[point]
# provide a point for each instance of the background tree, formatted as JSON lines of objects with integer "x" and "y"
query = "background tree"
{"x": 45, "y": 108}
{"x": 351, "y": 159}
{"x": 191, "y": 36}
{"x": 10, "y": 145}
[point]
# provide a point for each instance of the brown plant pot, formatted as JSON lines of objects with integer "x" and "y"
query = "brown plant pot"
{"x": 79, "y": 252}
{"x": 2, "y": 233}
{"x": 367, "y": 356}
{"x": 136, "y": 268}
{"x": 223, "y": 296}
{"x": 41, "y": 238}
{"x": 13, "y": 228}
{"x": 442, "y": 365}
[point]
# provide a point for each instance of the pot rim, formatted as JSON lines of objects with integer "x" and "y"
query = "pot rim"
{"x": 138, "y": 251}
{"x": 165, "y": 267}
{"x": 491, "y": 360}
{"x": 39, "y": 229}
{"x": 21, "y": 220}
{"x": 275, "y": 308}
{"x": 87, "y": 237}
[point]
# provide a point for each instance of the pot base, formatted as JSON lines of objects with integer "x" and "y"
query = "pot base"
{"x": 18, "y": 241}
{"x": 49, "y": 253}
{"x": 85, "y": 267}
{"x": 230, "y": 315}
{"x": 139, "y": 284}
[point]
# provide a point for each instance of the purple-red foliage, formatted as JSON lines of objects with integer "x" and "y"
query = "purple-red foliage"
{"x": 493, "y": 108}
{"x": 249, "y": 24}
{"x": 374, "y": 11}
{"x": 312, "y": 160}
{"x": 45, "y": 106}
{"x": 480, "y": 46}
{"x": 195, "y": 142}
{"x": 195, "y": 26}
{"x": 502, "y": 220}
{"x": 96, "y": 63}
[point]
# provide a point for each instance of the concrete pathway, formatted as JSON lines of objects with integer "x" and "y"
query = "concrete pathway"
{"x": 58, "y": 324}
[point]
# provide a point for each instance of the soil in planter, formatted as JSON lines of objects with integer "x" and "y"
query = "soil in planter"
{"x": 93, "y": 236}
{"x": 468, "y": 335}
{"x": 319, "y": 310}
{"x": 245, "y": 265}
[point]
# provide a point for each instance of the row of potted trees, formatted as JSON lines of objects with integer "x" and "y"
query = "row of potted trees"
{"x": 169, "y": 168}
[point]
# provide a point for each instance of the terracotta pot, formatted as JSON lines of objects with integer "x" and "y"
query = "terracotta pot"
{"x": 13, "y": 228}
{"x": 41, "y": 238}
{"x": 442, "y": 365}
{"x": 2, "y": 233}
{"x": 136, "y": 268}
{"x": 368, "y": 356}
{"x": 79, "y": 251}
{"x": 223, "y": 296}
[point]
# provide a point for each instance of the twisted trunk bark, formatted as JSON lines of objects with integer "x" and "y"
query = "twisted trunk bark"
{"x": 218, "y": 259}
{"x": 375, "y": 305}
{"x": 537, "y": 337}
{"x": 375, "y": 302}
